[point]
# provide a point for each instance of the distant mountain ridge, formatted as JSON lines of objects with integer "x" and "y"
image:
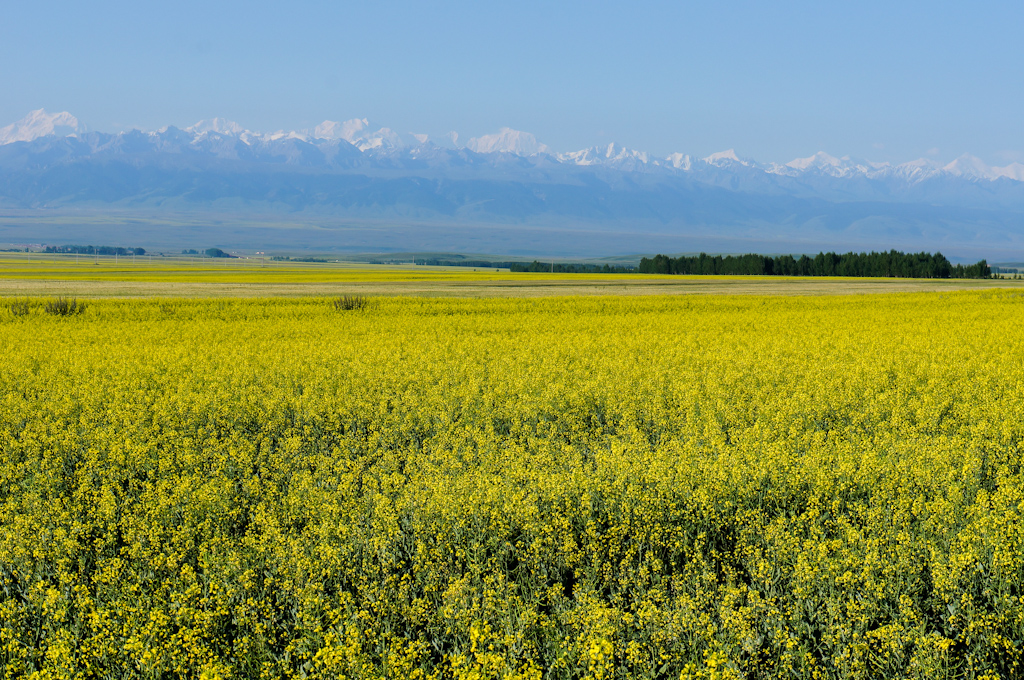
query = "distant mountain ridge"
{"x": 360, "y": 133}
{"x": 355, "y": 169}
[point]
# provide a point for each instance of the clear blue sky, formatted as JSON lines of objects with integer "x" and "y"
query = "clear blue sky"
{"x": 879, "y": 80}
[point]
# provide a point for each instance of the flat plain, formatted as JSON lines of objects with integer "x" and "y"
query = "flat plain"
{"x": 23, "y": 274}
{"x": 213, "y": 471}
{"x": 705, "y": 486}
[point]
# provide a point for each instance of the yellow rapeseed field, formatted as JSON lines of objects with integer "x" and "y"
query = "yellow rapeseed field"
{"x": 600, "y": 487}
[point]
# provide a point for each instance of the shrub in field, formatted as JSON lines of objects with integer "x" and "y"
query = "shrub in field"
{"x": 63, "y": 306}
{"x": 19, "y": 307}
{"x": 350, "y": 302}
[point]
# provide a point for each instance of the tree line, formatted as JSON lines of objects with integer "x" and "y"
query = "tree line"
{"x": 891, "y": 264}
{"x": 210, "y": 252}
{"x": 95, "y": 250}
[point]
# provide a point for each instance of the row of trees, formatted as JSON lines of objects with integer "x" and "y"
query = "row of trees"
{"x": 209, "y": 252}
{"x": 891, "y": 264}
{"x": 95, "y": 250}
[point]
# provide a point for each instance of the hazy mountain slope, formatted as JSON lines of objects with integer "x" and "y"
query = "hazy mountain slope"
{"x": 348, "y": 171}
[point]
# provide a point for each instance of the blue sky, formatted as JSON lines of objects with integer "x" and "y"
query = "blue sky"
{"x": 877, "y": 80}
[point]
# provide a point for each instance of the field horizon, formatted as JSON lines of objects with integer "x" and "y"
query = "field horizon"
{"x": 47, "y": 274}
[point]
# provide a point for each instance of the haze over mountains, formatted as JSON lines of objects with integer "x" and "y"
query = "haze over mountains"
{"x": 356, "y": 185}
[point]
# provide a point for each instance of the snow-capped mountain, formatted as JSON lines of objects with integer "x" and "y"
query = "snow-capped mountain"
{"x": 507, "y": 140}
{"x": 612, "y": 154}
{"x": 348, "y": 130}
{"x": 723, "y": 159}
{"x": 915, "y": 171}
{"x": 218, "y": 135}
{"x": 360, "y": 133}
{"x": 820, "y": 160}
{"x": 38, "y": 124}
{"x": 220, "y": 126}
{"x": 975, "y": 168}
{"x": 679, "y": 161}
{"x": 824, "y": 163}
{"x": 355, "y": 169}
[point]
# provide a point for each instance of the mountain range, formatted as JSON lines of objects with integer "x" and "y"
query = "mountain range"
{"x": 413, "y": 189}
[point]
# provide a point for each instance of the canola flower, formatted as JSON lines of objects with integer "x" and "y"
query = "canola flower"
{"x": 645, "y": 487}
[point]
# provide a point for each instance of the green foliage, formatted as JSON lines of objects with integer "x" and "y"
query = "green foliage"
{"x": 19, "y": 307}
{"x": 891, "y": 264}
{"x": 95, "y": 250}
{"x": 63, "y": 306}
{"x": 347, "y": 303}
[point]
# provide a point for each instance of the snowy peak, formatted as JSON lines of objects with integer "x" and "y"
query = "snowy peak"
{"x": 330, "y": 139}
{"x": 384, "y": 138}
{"x": 281, "y": 134}
{"x": 38, "y": 124}
{"x": 359, "y": 133}
{"x": 970, "y": 166}
{"x": 507, "y": 140}
{"x": 220, "y": 126}
{"x": 818, "y": 160}
{"x": 916, "y": 170}
{"x": 582, "y": 157}
{"x": 612, "y": 154}
{"x": 725, "y": 158}
{"x": 973, "y": 167}
{"x": 347, "y": 130}
{"x": 679, "y": 161}
{"x": 827, "y": 164}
